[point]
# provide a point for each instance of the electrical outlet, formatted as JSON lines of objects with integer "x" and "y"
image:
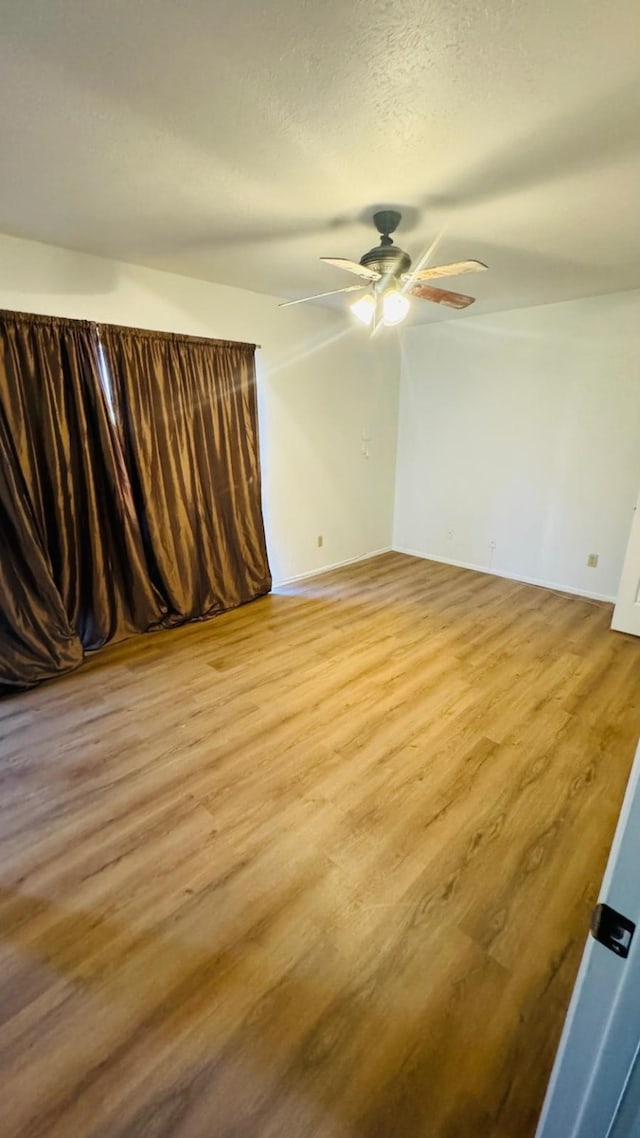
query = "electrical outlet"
{"x": 492, "y": 543}
{"x": 320, "y": 541}
{"x": 592, "y": 560}
{"x": 450, "y": 534}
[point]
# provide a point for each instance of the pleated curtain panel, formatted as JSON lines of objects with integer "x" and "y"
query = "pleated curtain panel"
{"x": 130, "y": 495}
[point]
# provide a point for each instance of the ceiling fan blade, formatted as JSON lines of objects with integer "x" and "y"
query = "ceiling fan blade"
{"x": 318, "y": 295}
{"x": 454, "y": 270}
{"x": 352, "y": 267}
{"x": 441, "y": 296}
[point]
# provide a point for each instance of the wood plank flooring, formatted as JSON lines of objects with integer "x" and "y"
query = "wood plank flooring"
{"x": 318, "y": 868}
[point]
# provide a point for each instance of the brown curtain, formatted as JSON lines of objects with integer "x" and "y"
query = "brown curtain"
{"x": 187, "y": 411}
{"x": 36, "y": 638}
{"x": 73, "y": 571}
{"x": 129, "y": 489}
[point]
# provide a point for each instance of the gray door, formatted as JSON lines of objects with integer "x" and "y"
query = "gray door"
{"x": 626, "y": 1123}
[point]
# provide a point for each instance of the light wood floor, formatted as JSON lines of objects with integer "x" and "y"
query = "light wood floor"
{"x": 319, "y": 868}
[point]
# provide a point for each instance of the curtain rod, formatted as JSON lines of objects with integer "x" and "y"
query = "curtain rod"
{"x": 46, "y": 318}
{"x": 158, "y": 332}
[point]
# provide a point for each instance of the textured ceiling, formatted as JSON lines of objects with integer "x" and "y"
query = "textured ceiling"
{"x": 239, "y": 141}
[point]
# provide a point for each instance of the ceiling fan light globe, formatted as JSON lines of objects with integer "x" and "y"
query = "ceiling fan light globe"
{"x": 364, "y": 308}
{"x": 395, "y": 307}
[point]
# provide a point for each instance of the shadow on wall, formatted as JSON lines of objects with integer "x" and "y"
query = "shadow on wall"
{"x": 37, "y": 269}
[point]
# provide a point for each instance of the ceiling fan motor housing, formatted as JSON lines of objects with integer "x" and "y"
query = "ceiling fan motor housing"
{"x": 387, "y": 259}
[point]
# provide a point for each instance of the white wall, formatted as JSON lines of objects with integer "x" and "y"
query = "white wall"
{"x": 321, "y": 384}
{"x": 523, "y": 429}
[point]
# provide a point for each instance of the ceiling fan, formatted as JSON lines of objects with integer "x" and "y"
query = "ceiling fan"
{"x": 390, "y": 283}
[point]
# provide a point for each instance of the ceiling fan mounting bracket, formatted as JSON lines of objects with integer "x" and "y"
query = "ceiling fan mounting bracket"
{"x": 387, "y": 221}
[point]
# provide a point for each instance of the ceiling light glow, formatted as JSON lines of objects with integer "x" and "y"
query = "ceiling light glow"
{"x": 364, "y": 308}
{"x": 395, "y": 307}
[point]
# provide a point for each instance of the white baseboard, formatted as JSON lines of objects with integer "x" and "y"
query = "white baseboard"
{"x": 328, "y": 568}
{"x": 558, "y": 588}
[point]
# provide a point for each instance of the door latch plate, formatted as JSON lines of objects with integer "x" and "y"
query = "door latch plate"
{"x": 612, "y": 929}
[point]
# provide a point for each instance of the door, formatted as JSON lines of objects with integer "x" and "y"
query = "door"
{"x": 626, "y": 1123}
{"x": 626, "y": 614}
{"x": 596, "y": 1059}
